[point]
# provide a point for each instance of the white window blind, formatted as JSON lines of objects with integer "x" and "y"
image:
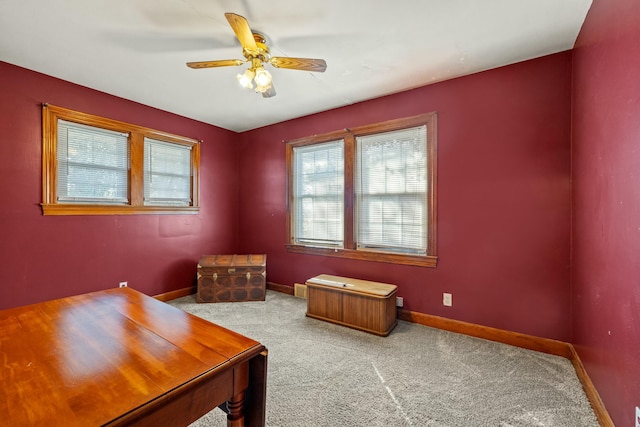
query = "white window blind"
{"x": 93, "y": 165}
{"x": 318, "y": 197}
{"x": 167, "y": 173}
{"x": 391, "y": 186}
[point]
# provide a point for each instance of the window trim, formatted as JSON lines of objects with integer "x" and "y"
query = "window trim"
{"x": 50, "y": 205}
{"x": 349, "y": 136}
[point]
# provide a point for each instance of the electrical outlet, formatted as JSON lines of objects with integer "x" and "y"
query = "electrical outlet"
{"x": 637, "y": 417}
{"x": 399, "y": 302}
{"x": 447, "y": 299}
{"x": 123, "y": 284}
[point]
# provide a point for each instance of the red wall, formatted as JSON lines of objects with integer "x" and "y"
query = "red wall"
{"x": 503, "y": 200}
{"x": 606, "y": 203}
{"x": 45, "y": 257}
{"x": 503, "y": 197}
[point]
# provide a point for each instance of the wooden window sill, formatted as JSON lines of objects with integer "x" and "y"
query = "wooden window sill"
{"x": 393, "y": 258}
{"x": 59, "y": 209}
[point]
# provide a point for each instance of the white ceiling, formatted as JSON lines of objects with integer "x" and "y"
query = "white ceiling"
{"x": 137, "y": 49}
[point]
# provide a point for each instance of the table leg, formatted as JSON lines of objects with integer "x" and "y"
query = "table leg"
{"x": 248, "y": 407}
{"x": 235, "y": 406}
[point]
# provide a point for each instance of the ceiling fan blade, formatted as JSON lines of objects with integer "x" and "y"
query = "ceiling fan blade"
{"x": 243, "y": 31}
{"x": 306, "y": 64}
{"x": 211, "y": 64}
{"x": 270, "y": 93}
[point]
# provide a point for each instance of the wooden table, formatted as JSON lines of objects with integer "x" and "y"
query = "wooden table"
{"x": 118, "y": 357}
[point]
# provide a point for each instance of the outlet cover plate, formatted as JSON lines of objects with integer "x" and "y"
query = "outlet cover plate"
{"x": 447, "y": 299}
{"x": 637, "y": 416}
{"x": 399, "y": 302}
{"x": 123, "y": 284}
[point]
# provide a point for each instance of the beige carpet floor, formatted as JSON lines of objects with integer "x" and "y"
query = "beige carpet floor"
{"x": 324, "y": 375}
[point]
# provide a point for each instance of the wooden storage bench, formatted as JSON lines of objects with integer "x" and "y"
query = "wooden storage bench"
{"x": 359, "y": 304}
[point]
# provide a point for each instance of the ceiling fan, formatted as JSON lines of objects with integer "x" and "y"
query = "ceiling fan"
{"x": 256, "y": 53}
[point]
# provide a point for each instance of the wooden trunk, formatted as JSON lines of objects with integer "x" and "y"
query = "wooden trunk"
{"x": 359, "y": 304}
{"x": 231, "y": 278}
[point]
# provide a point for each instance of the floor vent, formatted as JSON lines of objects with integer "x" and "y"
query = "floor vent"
{"x": 300, "y": 290}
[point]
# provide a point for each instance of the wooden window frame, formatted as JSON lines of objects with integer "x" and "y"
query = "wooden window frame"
{"x": 349, "y": 136}
{"x": 50, "y": 204}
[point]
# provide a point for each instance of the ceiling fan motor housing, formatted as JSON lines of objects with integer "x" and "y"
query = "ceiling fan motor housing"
{"x": 263, "y": 50}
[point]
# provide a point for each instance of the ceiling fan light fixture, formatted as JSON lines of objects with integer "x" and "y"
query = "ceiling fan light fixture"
{"x": 263, "y": 89}
{"x": 246, "y": 78}
{"x": 262, "y": 77}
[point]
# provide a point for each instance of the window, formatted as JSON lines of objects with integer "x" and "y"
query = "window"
{"x": 97, "y": 166}
{"x": 93, "y": 164}
{"x": 318, "y": 194}
{"x": 365, "y": 193}
{"x": 391, "y": 191}
{"x": 167, "y": 173}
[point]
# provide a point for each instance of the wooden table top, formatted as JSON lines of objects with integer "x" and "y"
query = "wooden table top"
{"x": 88, "y": 359}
